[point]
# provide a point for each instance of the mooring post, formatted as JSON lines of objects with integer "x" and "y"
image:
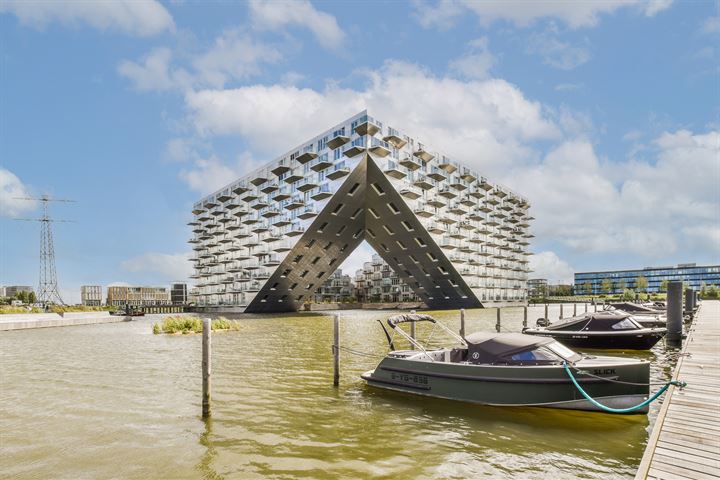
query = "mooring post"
{"x": 546, "y": 312}
{"x": 336, "y": 351}
{"x": 595, "y": 306}
{"x": 574, "y": 309}
{"x": 674, "y": 314}
{"x": 561, "y": 311}
{"x": 689, "y": 295}
{"x": 497, "y": 325}
{"x": 206, "y": 345}
{"x": 585, "y": 307}
{"x": 525, "y": 308}
{"x": 412, "y": 331}
{"x": 462, "y": 322}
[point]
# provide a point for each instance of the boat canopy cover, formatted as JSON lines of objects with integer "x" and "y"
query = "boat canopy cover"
{"x": 484, "y": 347}
{"x": 409, "y": 317}
{"x": 636, "y": 307}
{"x": 597, "y": 321}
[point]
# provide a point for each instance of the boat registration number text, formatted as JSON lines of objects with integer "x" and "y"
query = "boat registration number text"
{"x": 408, "y": 378}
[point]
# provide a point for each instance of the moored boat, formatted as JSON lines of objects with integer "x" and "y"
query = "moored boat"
{"x": 601, "y": 330}
{"x": 511, "y": 369}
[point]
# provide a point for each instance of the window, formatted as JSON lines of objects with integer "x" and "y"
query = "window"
{"x": 420, "y": 241}
{"x": 388, "y": 230}
{"x": 373, "y": 212}
{"x": 322, "y": 227}
{"x": 353, "y": 189}
{"x": 378, "y": 189}
{"x": 357, "y": 212}
{"x": 337, "y": 209}
{"x": 315, "y": 260}
{"x": 393, "y": 208}
{"x": 537, "y": 355}
{"x": 407, "y": 226}
{"x": 625, "y": 324}
{"x": 342, "y": 229}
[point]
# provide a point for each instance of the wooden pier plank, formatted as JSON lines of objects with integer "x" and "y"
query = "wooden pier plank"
{"x": 685, "y": 440}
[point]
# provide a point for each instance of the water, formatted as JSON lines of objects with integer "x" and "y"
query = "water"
{"x": 116, "y": 401}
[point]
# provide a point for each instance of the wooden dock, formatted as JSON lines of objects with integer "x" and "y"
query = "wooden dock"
{"x": 685, "y": 440}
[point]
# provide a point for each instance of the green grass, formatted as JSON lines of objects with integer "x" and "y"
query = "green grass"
{"x": 189, "y": 324}
{"x": 9, "y": 309}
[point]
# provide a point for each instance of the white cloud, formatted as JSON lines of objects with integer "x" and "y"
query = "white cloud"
{"x": 556, "y": 53}
{"x": 523, "y": 13}
{"x": 363, "y": 253}
{"x": 549, "y": 266}
{"x": 168, "y": 267}
{"x": 233, "y": 56}
{"x": 483, "y": 122}
{"x": 711, "y": 25}
{"x": 11, "y": 189}
{"x": 209, "y": 174}
{"x": 477, "y": 62}
{"x": 138, "y": 17}
{"x": 279, "y": 14}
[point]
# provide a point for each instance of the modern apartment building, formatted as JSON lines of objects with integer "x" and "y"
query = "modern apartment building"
{"x": 179, "y": 293}
{"x": 91, "y": 295}
{"x": 137, "y": 296}
{"x": 269, "y": 240}
{"x": 537, "y": 287}
{"x": 12, "y": 290}
{"x": 592, "y": 283}
{"x": 377, "y": 282}
{"x": 337, "y": 288}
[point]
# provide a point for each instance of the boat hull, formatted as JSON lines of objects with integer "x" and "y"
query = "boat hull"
{"x": 602, "y": 340}
{"x": 533, "y": 386}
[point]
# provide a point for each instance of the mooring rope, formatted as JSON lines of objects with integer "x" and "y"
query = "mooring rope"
{"x": 617, "y": 381}
{"x": 677, "y": 383}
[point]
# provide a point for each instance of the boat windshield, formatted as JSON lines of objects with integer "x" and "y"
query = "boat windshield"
{"x": 625, "y": 324}
{"x": 538, "y": 355}
{"x": 561, "y": 350}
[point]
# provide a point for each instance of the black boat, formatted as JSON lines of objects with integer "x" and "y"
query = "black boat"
{"x": 601, "y": 330}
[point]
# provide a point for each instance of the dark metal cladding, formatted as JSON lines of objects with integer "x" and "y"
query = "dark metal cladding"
{"x": 365, "y": 207}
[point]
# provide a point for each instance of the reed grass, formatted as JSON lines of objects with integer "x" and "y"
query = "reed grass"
{"x": 186, "y": 324}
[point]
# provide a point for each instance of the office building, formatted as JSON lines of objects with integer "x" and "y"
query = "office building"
{"x": 12, "y": 290}
{"x": 377, "y": 282}
{"x": 537, "y": 287}
{"x": 137, "y": 296}
{"x": 616, "y": 281}
{"x": 336, "y": 289}
{"x": 91, "y": 295}
{"x": 179, "y": 293}
{"x": 269, "y": 240}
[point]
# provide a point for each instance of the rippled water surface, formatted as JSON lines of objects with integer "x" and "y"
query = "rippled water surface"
{"x": 116, "y": 401}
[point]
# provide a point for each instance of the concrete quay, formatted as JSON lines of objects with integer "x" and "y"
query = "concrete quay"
{"x": 45, "y": 320}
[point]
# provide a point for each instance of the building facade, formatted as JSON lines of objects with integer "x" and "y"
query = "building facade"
{"x": 596, "y": 283}
{"x": 12, "y": 290}
{"x": 91, "y": 295}
{"x": 269, "y": 240}
{"x": 179, "y": 293}
{"x": 537, "y": 287}
{"x": 377, "y": 282}
{"x": 137, "y": 296}
{"x": 336, "y": 289}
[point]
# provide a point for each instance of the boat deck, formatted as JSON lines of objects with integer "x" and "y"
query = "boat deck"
{"x": 685, "y": 440}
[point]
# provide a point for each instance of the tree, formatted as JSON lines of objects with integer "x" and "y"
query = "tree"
{"x": 641, "y": 284}
{"x": 587, "y": 288}
{"x": 22, "y": 296}
{"x": 32, "y": 298}
{"x": 663, "y": 285}
{"x": 606, "y": 285}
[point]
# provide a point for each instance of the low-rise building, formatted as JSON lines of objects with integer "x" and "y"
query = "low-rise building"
{"x": 179, "y": 293}
{"x": 91, "y": 295}
{"x": 377, "y": 282}
{"x": 12, "y": 290}
{"x": 338, "y": 288}
{"x": 120, "y": 296}
{"x": 537, "y": 287}
{"x": 648, "y": 279}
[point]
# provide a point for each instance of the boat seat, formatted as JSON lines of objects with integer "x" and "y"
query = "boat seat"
{"x": 458, "y": 355}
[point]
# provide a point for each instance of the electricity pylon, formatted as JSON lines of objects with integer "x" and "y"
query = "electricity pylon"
{"x": 48, "y": 286}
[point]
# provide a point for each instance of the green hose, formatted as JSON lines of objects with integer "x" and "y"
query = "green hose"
{"x": 621, "y": 410}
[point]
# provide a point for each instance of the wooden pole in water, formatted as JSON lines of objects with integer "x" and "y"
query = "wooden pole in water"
{"x": 525, "y": 317}
{"x": 546, "y": 312}
{"x": 412, "y": 331}
{"x": 561, "y": 311}
{"x": 206, "y": 345}
{"x": 336, "y": 351}
{"x": 497, "y": 325}
{"x": 462, "y": 322}
{"x": 574, "y": 309}
{"x": 585, "y": 307}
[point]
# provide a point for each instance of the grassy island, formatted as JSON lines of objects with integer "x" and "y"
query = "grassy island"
{"x": 191, "y": 324}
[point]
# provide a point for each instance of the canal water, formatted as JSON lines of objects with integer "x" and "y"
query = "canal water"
{"x": 116, "y": 401}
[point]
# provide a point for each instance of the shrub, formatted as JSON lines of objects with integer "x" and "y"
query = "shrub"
{"x": 189, "y": 324}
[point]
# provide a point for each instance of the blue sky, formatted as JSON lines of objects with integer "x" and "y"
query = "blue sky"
{"x": 604, "y": 114}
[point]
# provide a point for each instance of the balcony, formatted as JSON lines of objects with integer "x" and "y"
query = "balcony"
{"x": 393, "y": 138}
{"x": 197, "y": 209}
{"x": 282, "y": 247}
{"x": 367, "y": 127}
{"x": 323, "y": 193}
{"x": 437, "y": 174}
{"x": 210, "y": 203}
{"x": 272, "y": 238}
{"x": 411, "y": 192}
{"x": 410, "y": 163}
{"x": 295, "y": 230}
{"x": 270, "y": 212}
{"x": 281, "y": 222}
{"x": 498, "y": 192}
{"x": 338, "y": 171}
{"x": 269, "y": 188}
{"x": 225, "y": 219}
{"x": 448, "y": 165}
{"x": 259, "y": 179}
{"x": 423, "y": 182}
{"x": 249, "y": 220}
{"x": 307, "y": 184}
{"x": 249, "y": 197}
{"x": 447, "y": 192}
{"x": 271, "y": 261}
{"x": 467, "y": 175}
{"x": 448, "y": 244}
{"x": 393, "y": 170}
{"x": 295, "y": 203}
{"x": 436, "y": 228}
{"x": 293, "y": 177}
{"x": 321, "y": 163}
{"x": 457, "y": 183}
{"x": 280, "y": 169}
{"x": 457, "y": 209}
{"x": 423, "y": 154}
{"x": 224, "y": 196}
{"x": 484, "y": 184}
{"x": 260, "y": 204}
{"x": 240, "y": 211}
{"x": 338, "y": 140}
{"x": 309, "y": 212}
{"x": 240, "y": 188}
{"x": 282, "y": 194}
{"x": 260, "y": 227}
{"x": 234, "y": 247}
{"x": 306, "y": 157}
{"x": 379, "y": 147}
{"x": 457, "y": 234}
{"x": 436, "y": 201}
{"x": 356, "y": 148}
{"x": 423, "y": 210}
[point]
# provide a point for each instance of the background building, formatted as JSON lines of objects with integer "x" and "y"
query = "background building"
{"x": 271, "y": 239}
{"x": 12, "y": 290}
{"x": 537, "y": 287}
{"x": 179, "y": 293}
{"x": 338, "y": 288}
{"x": 616, "y": 281}
{"x": 137, "y": 296}
{"x": 91, "y": 295}
{"x": 377, "y": 282}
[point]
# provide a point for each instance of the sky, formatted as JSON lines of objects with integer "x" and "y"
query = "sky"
{"x": 604, "y": 114}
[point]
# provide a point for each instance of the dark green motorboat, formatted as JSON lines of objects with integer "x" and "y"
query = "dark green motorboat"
{"x": 510, "y": 369}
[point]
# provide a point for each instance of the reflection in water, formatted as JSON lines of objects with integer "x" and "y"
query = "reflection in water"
{"x": 116, "y": 401}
